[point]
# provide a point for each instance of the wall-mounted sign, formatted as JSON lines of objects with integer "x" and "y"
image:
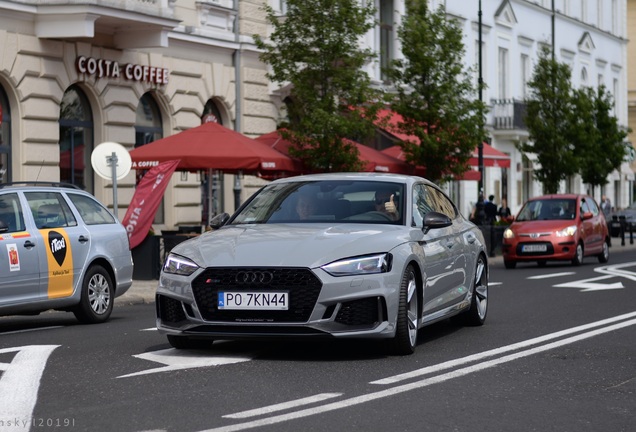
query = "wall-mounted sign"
{"x": 102, "y": 68}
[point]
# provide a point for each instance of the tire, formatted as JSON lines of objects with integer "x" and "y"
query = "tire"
{"x": 603, "y": 257}
{"x": 405, "y": 339}
{"x": 476, "y": 315}
{"x": 97, "y": 297}
{"x": 542, "y": 263}
{"x": 183, "y": 342}
{"x": 510, "y": 264}
{"x": 578, "y": 255}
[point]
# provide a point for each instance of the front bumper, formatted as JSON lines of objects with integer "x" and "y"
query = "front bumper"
{"x": 320, "y": 305}
{"x": 561, "y": 249}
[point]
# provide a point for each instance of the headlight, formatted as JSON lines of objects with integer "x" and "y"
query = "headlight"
{"x": 567, "y": 232}
{"x": 508, "y": 233}
{"x": 360, "y": 265}
{"x": 178, "y": 265}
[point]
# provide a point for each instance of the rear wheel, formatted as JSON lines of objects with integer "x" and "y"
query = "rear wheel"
{"x": 407, "y": 317}
{"x": 96, "y": 303}
{"x": 603, "y": 257}
{"x": 476, "y": 315}
{"x": 184, "y": 342}
{"x": 578, "y": 255}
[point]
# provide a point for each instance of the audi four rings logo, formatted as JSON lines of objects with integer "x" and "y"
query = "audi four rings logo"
{"x": 263, "y": 277}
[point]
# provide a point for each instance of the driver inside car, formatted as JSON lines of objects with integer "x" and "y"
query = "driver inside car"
{"x": 385, "y": 203}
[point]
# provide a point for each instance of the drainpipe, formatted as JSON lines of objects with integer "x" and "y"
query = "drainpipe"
{"x": 238, "y": 98}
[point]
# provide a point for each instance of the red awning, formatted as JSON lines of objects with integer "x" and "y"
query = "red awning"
{"x": 213, "y": 146}
{"x": 375, "y": 161}
{"x": 389, "y": 122}
{"x": 397, "y": 152}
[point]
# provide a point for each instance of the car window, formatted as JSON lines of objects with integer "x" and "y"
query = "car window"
{"x": 421, "y": 204}
{"x": 91, "y": 211}
{"x": 591, "y": 204}
{"x": 11, "y": 212}
{"x": 50, "y": 210}
{"x": 548, "y": 209}
{"x": 346, "y": 201}
{"x": 441, "y": 203}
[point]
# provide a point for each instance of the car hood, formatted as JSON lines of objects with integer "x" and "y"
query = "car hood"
{"x": 294, "y": 245}
{"x": 541, "y": 225}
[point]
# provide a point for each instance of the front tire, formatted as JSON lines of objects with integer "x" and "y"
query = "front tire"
{"x": 405, "y": 339}
{"x": 97, "y": 297}
{"x": 578, "y": 255}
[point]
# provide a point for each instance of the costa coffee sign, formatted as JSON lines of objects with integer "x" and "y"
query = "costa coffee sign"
{"x": 101, "y": 68}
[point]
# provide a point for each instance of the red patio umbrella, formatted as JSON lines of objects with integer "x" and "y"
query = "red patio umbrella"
{"x": 374, "y": 160}
{"x": 213, "y": 146}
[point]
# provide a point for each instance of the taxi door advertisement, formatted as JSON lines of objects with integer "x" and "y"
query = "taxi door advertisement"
{"x": 59, "y": 259}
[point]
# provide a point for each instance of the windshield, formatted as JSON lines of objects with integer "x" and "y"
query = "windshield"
{"x": 548, "y": 209}
{"x": 324, "y": 202}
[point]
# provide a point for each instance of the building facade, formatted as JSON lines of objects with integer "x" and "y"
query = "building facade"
{"x": 74, "y": 74}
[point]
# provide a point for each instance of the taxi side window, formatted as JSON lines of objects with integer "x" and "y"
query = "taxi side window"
{"x": 91, "y": 211}
{"x": 11, "y": 212}
{"x": 50, "y": 210}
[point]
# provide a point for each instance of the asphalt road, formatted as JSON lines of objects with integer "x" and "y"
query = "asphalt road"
{"x": 558, "y": 352}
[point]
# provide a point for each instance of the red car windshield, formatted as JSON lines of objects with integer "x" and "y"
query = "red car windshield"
{"x": 548, "y": 209}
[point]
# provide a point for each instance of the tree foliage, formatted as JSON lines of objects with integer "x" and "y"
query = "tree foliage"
{"x": 548, "y": 120}
{"x": 315, "y": 49}
{"x": 597, "y": 138}
{"x": 435, "y": 94}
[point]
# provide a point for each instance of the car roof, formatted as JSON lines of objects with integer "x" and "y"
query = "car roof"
{"x": 559, "y": 196}
{"x": 357, "y": 176}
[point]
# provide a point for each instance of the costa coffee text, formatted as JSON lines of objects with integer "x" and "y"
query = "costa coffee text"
{"x": 110, "y": 69}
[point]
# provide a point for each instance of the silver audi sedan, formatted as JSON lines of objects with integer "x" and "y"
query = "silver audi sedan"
{"x": 350, "y": 255}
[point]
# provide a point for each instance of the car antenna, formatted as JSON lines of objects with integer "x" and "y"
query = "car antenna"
{"x": 38, "y": 176}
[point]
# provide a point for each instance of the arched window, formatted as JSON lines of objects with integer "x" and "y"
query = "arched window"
{"x": 584, "y": 76}
{"x": 149, "y": 128}
{"x": 5, "y": 138}
{"x": 211, "y": 113}
{"x": 76, "y": 139}
{"x": 211, "y": 182}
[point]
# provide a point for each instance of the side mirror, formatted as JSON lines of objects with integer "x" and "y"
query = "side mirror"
{"x": 587, "y": 215}
{"x": 435, "y": 220}
{"x": 219, "y": 220}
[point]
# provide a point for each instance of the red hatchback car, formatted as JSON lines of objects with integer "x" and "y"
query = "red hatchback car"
{"x": 565, "y": 227}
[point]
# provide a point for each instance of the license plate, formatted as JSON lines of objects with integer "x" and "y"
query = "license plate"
{"x": 254, "y": 300}
{"x": 535, "y": 248}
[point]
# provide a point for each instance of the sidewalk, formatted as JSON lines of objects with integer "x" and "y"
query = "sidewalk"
{"x": 143, "y": 291}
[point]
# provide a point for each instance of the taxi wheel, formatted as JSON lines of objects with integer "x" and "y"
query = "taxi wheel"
{"x": 96, "y": 303}
{"x": 407, "y": 320}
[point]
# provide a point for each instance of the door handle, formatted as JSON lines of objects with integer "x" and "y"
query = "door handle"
{"x": 83, "y": 239}
{"x": 29, "y": 244}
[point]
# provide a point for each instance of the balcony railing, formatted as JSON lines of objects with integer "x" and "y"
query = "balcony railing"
{"x": 509, "y": 114}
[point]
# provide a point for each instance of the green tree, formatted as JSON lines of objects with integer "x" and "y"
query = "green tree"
{"x": 598, "y": 140}
{"x": 435, "y": 94}
{"x": 316, "y": 49}
{"x": 548, "y": 119}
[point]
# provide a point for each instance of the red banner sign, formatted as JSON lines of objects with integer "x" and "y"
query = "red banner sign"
{"x": 146, "y": 200}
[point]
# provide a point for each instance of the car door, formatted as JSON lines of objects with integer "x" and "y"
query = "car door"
{"x": 438, "y": 246}
{"x": 19, "y": 259}
{"x": 589, "y": 228}
{"x": 65, "y": 243}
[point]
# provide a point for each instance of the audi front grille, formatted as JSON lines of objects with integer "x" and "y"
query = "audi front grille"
{"x": 301, "y": 284}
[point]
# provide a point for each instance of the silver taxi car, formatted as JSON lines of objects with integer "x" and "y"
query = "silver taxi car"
{"x": 60, "y": 249}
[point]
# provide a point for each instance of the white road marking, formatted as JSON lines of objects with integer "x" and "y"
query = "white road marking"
{"x": 357, "y": 400}
{"x": 497, "y": 351}
{"x": 551, "y": 275}
{"x": 174, "y": 359}
{"x": 283, "y": 406}
{"x": 149, "y": 329}
{"x": 494, "y": 283}
{"x": 586, "y": 285}
{"x": 19, "y": 384}
{"x": 30, "y": 330}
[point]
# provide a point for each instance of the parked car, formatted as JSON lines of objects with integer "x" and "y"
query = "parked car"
{"x": 330, "y": 255}
{"x": 565, "y": 227}
{"x": 60, "y": 249}
{"x": 615, "y": 220}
